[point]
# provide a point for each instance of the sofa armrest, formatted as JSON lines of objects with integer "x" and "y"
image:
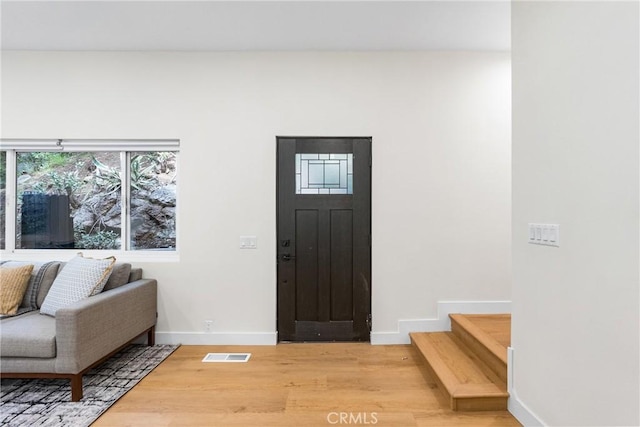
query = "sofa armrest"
{"x": 94, "y": 327}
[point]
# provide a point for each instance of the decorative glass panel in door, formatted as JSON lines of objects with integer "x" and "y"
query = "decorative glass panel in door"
{"x": 324, "y": 173}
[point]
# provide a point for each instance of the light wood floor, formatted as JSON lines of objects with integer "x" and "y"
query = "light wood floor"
{"x": 293, "y": 385}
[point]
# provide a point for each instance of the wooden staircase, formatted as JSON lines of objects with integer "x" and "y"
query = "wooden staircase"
{"x": 469, "y": 363}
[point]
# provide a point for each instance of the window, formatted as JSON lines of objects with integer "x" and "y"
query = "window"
{"x": 153, "y": 200}
{"x": 69, "y": 195}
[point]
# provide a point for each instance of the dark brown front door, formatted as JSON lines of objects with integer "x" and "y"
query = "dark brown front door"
{"x": 324, "y": 239}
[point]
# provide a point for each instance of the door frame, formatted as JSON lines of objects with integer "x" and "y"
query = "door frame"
{"x": 363, "y": 319}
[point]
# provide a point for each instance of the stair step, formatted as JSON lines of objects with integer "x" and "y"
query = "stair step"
{"x": 469, "y": 383}
{"x": 488, "y": 336}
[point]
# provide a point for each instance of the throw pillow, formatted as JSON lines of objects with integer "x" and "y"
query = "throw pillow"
{"x": 42, "y": 277}
{"x": 79, "y": 279}
{"x": 13, "y": 284}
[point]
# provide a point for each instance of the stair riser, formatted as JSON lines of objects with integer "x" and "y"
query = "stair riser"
{"x": 486, "y": 356}
{"x": 480, "y": 404}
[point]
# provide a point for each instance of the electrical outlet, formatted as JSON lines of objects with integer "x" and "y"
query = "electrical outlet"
{"x": 207, "y": 325}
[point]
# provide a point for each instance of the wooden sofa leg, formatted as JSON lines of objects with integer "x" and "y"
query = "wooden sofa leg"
{"x": 76, "y": 388}
{"x": 151, "y": 336}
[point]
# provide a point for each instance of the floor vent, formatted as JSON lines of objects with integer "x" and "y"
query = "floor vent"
{"x": 227, "y": 357}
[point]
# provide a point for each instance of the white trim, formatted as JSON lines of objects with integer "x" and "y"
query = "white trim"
{"x": 52, "y": 144}
{"x": 217, "y": 338}
{"x": 517, "y": 408}
{"x": 125, "y": 200}
{"x": 11, "y": 188}
{"x": 440, "y": 323}
{"x": 67, "y": 254}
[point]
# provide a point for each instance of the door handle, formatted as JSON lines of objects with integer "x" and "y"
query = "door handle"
{"x": 288, "y": 257}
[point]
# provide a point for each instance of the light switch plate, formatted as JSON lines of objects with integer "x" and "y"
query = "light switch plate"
{"x": 544, "y": 234}
{"x": 248, "y": 242}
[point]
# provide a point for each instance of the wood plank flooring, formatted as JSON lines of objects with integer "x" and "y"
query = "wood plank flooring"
{"x": 293, "y": 385}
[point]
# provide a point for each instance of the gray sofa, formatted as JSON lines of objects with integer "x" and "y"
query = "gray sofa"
{"x": 80, "y": 336}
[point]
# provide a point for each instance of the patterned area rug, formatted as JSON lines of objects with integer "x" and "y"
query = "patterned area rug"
{"x": 46, "y": 402}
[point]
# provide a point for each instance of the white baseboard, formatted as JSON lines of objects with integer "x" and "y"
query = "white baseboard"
{"x": 440, "y": 323}
{"x": 518, "y": 409}
{"x": 401, "y": 336}
{"x": 219, "y": 338}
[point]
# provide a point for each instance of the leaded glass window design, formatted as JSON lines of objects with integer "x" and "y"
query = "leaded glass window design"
{"x": 324, "y": 173}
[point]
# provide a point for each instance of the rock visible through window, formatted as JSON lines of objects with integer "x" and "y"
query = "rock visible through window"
{"x": 153, "y": 177}
{"x": 73, "y": 200}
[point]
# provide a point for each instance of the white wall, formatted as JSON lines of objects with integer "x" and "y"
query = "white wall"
{"x": 441, "y": 165}
{"x": 576, "y": 138}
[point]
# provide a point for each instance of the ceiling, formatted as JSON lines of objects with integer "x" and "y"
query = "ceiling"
{"x": 239, "y": 25}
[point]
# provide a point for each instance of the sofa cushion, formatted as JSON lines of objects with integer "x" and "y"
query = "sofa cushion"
{"x": 136, "y": 274}
{"x": 79, "y": 279}
{"x": 46, "y": 275}
{"x": 13, "y": 284}
{"x": 119, "y": 276}
{"x": 28, "y": 335}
